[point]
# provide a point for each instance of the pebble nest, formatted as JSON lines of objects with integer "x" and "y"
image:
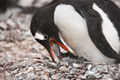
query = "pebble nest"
{"x": 22, "y": 58}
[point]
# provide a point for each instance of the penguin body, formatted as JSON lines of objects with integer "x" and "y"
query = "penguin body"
{"x": 89, "y": 27}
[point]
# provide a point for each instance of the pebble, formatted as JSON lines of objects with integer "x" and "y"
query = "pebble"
{"x": 76, "y": 65}
{"x": 15, "y": 71}
{"x": 46, "y": 73}
{"x": 29, "y": 69}
{"x": 64, "y": 69}
{"x": 95, "y": 69}
{"x": 18, "y": 74}
{"x": 89, "y": 73}
{"x": 1, "y": 69}
{"x": 64, "y": 79}
{"x": 7, "y": 74}
{"x": 11, "y": 23}
{"x": 64, "y": 63}
{"x": 52, "y": 65}
{"x": 3, "y": 25}
{"x": 98, "y": 75}
{"x": 44, "y": 77}
{"x": 55, "y": 77}
{"x": 70, "y": 67}
{"x": 2, "y": 62}
{"x": 107, "y": 77}
{"x": 69, "y": 76}
{"x": 12, "y": 68}
{"x": 31, "y": 76}
{"x": 89, "y": 67}
{"x": 73, "y": 71}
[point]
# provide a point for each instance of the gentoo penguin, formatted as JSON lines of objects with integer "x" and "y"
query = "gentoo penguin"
{"x": 91, "y": 28}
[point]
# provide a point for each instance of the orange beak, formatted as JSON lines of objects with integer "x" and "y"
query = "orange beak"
{"x": 54, "y": 41}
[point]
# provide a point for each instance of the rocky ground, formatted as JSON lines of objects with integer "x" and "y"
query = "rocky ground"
{"x": 22, "y": 58}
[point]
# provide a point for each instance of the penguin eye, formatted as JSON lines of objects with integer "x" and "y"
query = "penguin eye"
{"x": 40, "y": 36}
{"x": 45, "y": 36}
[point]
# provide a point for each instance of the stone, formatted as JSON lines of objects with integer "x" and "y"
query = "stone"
{"x": 2, "y": 62}
{"x": 55, "y": 77}
{"x": 73, "y": 71}
{"x": 44, "y": 77}
{"x": 64, "y": 69}
{"x": 1, "y": 69}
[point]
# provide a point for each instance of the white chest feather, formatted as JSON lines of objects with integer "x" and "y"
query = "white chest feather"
{"x": 73, "y": 29}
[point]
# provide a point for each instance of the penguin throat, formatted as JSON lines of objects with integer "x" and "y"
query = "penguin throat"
{"x": 56, "y": 51}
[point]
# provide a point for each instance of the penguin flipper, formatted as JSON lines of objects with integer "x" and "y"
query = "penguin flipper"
{"x": 94, "y": 24}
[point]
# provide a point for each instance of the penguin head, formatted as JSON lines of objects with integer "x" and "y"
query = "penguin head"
{"x": 46, "y": 33}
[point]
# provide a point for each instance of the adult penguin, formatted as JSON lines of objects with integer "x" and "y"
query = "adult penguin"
{"x": 91, "y": 28}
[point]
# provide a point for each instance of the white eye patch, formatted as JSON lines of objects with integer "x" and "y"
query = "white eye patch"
{"x": 40, "y": 36}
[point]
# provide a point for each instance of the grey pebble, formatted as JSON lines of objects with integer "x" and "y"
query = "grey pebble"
{"x": 44, "y": 77}
{"x": 52, "y": 65}
{"x": 98, "y": 75}
{"x": 63, "y": 68}
{"x": 1, "y": 69}
{"x": 73, "y": 71}
{"x": 2, "y": 62}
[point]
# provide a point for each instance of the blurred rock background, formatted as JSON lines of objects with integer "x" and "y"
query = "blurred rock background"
{"x": 22, "y": 58}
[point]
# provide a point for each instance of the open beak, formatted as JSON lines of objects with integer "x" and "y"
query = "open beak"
{"x": 51, "y": 51}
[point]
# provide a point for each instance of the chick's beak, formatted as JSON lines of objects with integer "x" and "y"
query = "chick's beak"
{"x": 51, "y": 41}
